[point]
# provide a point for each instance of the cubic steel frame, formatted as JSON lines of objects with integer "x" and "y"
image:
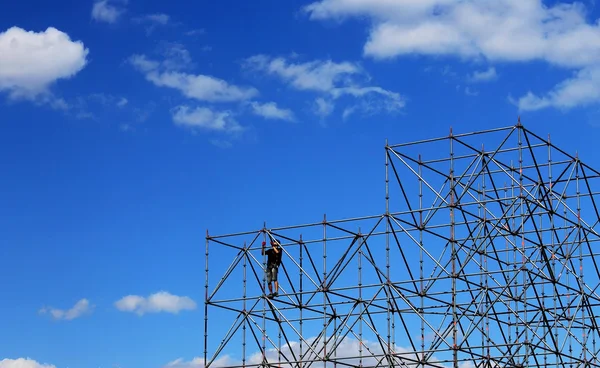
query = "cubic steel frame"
{"x": 482, "y": 258}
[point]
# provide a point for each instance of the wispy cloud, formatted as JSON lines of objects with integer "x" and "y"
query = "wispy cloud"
{"x": 205, "y": 118}
{"x": 81, "y": 308}
{"x": 157, "y": 18}
{"x": 151, "y": 21}
{"x": 270, "y": 110}
{"x": 322, "y": 107}
{"x": 155, "y": 303}
{"x": 483, "y": 75}
{"x": 195, "y": 86}
{"x": 196, "y": 32}
{"x": 108, "y": 11}
{"x": 332, "y": 80}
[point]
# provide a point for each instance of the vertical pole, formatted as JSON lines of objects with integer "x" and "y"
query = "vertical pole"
{"x": 360, "y": 300}
{"x": 481, "y": 215}
{"x": 485, "y": 263}
{"x": 514, "y": 275}
{"x": 547, "y": 330}
{"x": 206, "y": 302}
{"x": 301, "y": 300}
{"x": 554, "y": 248}
{"x": 453, "y": 256}
{"x": 421, "y": 270}
{"x": 264, "y": 311}
{"x": 244, "y": 307}
{"x": 581, "y": 283}
{"x": 325, "y": 291}
{"x": 507, "y": 246}
{"x": 567, "y": 259}
{"x": 390, "y": 342}
{"x": 523, "y": 230}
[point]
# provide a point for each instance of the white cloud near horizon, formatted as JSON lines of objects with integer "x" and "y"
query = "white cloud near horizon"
{"x": 23, "y": 363}
{"x": 155, "y": 303}
{"x": 509, "y": 31}
{"x": 107, "y": 11}
{"x": 346, "y": 351}
{"x": 81, "y": 308}
{"x": 30, "y": 62}
{"x": 330, "y": 79}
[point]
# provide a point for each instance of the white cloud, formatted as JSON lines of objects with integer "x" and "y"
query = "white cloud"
{"x": 155, "y": 303}
{"x": 498, "y": 31}
{"x": 315, "y": 75}
{"x": 177, "y": 57}
{"x": 106, "y": 11}
{"x": 195, "y": 86}
{"x": 23, "y": 363}
{"x": 122, "y": 102}
{"x": 331, "y": 79}
{"x": 30, "y": 62}
{"x": 270, "y": 110}
{"x": 581, "y": 90}
{"x": 206, "y": 119}
{"x": 82, "y": 307}
{"x": 201, "y": 87}
{"x": 346, "y": 352}
{"x": 484, "y": 76}
{"x": 323, "y": 108}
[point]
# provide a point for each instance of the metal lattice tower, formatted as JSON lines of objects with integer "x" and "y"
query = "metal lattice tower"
{"x": 485, "y": 256}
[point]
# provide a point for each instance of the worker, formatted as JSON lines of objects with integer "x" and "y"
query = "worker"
{"x": 273, "y": 263}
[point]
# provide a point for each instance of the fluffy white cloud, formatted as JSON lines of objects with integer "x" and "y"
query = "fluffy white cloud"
{"x": 23, "y": 363}
{"x": 32, "y": 61}
{"x": 206, "y": 119}
{"x": 326, "y": 77}
{"x": 270, "y": 110}
{"x": 155, "y": 303}
{"x": 501, "y": 30}
{"x": 82, "y": 307}
{"x": 107, "y": 11}
{"x": 195, "y": 86}
{"x": 581, "y": 90}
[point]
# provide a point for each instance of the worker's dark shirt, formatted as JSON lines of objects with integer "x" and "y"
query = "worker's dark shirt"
{"x": 274, "y": 259}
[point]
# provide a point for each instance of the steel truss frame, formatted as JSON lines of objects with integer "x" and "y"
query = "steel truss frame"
{"x": 482, "y": 258}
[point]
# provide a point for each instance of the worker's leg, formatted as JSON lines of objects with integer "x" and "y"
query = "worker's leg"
{"x": 276, "y": 281}
{"x": 270, "y": 281}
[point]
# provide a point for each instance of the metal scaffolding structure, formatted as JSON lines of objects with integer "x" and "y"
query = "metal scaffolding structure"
{"x": 483, "y": 257}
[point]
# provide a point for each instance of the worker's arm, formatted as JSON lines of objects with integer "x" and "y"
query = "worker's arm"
{"x": 263, "y": 247}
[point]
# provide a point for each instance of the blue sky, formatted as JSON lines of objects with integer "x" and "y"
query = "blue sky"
{"x": 128, "y": 128}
